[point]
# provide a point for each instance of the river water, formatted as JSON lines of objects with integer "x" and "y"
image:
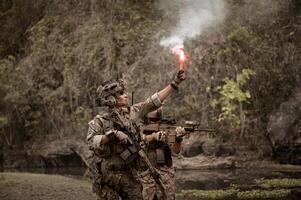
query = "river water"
{"x": 221, "y": 179}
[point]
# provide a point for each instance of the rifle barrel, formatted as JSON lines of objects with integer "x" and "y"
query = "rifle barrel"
{"x": 191, "y": 129}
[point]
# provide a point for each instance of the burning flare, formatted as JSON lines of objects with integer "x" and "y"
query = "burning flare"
{"x": 179, "y": 51}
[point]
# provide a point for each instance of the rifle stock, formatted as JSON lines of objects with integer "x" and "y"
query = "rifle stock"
{"x": 153, "y": 171}
{"x": 132, "y": 133}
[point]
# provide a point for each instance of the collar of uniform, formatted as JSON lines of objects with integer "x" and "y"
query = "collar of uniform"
{"x": 122, "y": 110}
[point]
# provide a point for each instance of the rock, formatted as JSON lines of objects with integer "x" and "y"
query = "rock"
{"x": 296, "y": 193}
{"x": 204, "y": 162}
{"x": 193, "y": 149}
{"x": 212, "y": 148}
{"x": 289, "y": 153}
{"x": 68, "y": 152}
{"x": 284, "y": 130}
{"x": 207, "y": 145}
{"x": 1, "y": 158}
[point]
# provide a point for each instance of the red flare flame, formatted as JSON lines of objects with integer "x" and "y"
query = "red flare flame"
{"x": 179, "y": 51}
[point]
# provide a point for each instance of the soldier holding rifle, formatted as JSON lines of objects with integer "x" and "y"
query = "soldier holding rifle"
{"x": 160, "y": 152}
{"x": 117, "y": 143}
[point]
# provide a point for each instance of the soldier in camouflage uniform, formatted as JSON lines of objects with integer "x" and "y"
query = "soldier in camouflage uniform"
{"x": 160, "y": 154}
{"x": 115, "y": 176}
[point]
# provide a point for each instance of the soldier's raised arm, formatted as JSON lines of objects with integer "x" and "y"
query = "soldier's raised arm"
{"x": 156, "y": 100}
{"x": 163, "y": 94}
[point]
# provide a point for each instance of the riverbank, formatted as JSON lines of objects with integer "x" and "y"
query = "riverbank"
{"x": 28, "y": 186}
{"x": 271, "y": 189}
{"x": 201, "y": 162}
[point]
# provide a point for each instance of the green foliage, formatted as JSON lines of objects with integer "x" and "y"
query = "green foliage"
{"x": 83, "y": 115}
{"x": 69, "y": 27}
{"x": 6, "y": 68}
{"x": 205, "y": 194}
{"x": 239, "y": 35}
{"x": 192, "y": 101}
{"x": 9, "y": 93}
{"x": 279, "y": 183}
{"x": 271, "y": 189}
{"x": 16, "y": 18}
{"x": 133, "y": 27}
{"x": 238, "y": 40}
{"x": 233, "y": 194}
{"x": 50, "y": 81}
{"x": 3, "y": 121}
{"x": 262, "y": 194}
{"x": 231, "y": 95}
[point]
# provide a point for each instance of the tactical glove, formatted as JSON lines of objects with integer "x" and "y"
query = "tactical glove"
{"x": 180, "y": 131}
{"x": 179, "y": 77}
{"x": 160, "y": 136}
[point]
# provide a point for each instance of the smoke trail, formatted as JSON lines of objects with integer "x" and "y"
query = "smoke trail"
{"x": 195, "y": 17}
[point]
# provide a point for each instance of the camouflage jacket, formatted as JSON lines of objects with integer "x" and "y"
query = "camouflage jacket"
{"x": 105, "y": 122}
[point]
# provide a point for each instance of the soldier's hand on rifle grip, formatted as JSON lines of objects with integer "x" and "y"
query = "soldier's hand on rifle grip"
{"x": 159, "y": 136}
{"x": 121, "y": 137}
{"x": 180, "y": 131}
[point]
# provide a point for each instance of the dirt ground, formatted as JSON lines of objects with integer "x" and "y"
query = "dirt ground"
{"x": 27, "y": 186}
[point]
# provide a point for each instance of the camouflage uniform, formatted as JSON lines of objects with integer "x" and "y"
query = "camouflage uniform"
{"x": 150, "y": 189}
{"x": 160, "y": 156}
{"x": 113, "y": 175}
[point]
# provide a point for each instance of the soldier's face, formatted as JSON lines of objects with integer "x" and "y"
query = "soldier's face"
{"x": 122, "y": 99}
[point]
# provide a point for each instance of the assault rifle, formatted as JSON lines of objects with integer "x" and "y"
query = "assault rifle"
{"x": 169, "y": 125}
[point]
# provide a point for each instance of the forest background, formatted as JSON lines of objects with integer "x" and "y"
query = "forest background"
{"x": 243, "y": 76}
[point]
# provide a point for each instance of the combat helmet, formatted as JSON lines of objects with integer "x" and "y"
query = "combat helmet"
{"x": 107, "y": 91}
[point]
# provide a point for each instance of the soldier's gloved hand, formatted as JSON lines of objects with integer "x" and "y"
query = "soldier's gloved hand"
{"x": 179, "y": 77}
{"x": 180, "y": 131}
{"x": 159, "y": 136}
{"x": 121, "y": 137}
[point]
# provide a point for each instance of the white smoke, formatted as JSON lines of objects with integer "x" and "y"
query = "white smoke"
{"x": 196, "y": 16}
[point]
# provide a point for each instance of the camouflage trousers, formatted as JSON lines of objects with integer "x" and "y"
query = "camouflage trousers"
{"x": 117, "y": 185}
{"x": 150, "y": 189}
{"x": 105, "y": 193}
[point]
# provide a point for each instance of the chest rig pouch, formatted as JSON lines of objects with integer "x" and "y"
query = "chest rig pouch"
{"x": 129, "y": 152}
{"x": 159, "y": 154}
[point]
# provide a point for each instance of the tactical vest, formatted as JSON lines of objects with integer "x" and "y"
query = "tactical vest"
{"x": 113, "y": 152}
{"x": 159, "y": 153}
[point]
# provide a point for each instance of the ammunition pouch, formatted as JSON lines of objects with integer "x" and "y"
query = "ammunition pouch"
{"x": 119, "y": 157}
{"x": 129, "y": 154}
{"x": 116, "y": 163}
{"x": 160, "y": 156}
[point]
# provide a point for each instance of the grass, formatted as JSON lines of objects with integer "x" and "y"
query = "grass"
{"x": 279, "y": 183}
{"x": 207, "y": 194}
{"x": 263, "y": 194}
{"x": 270, "y": 189}
{"x": 233, "y": 194}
